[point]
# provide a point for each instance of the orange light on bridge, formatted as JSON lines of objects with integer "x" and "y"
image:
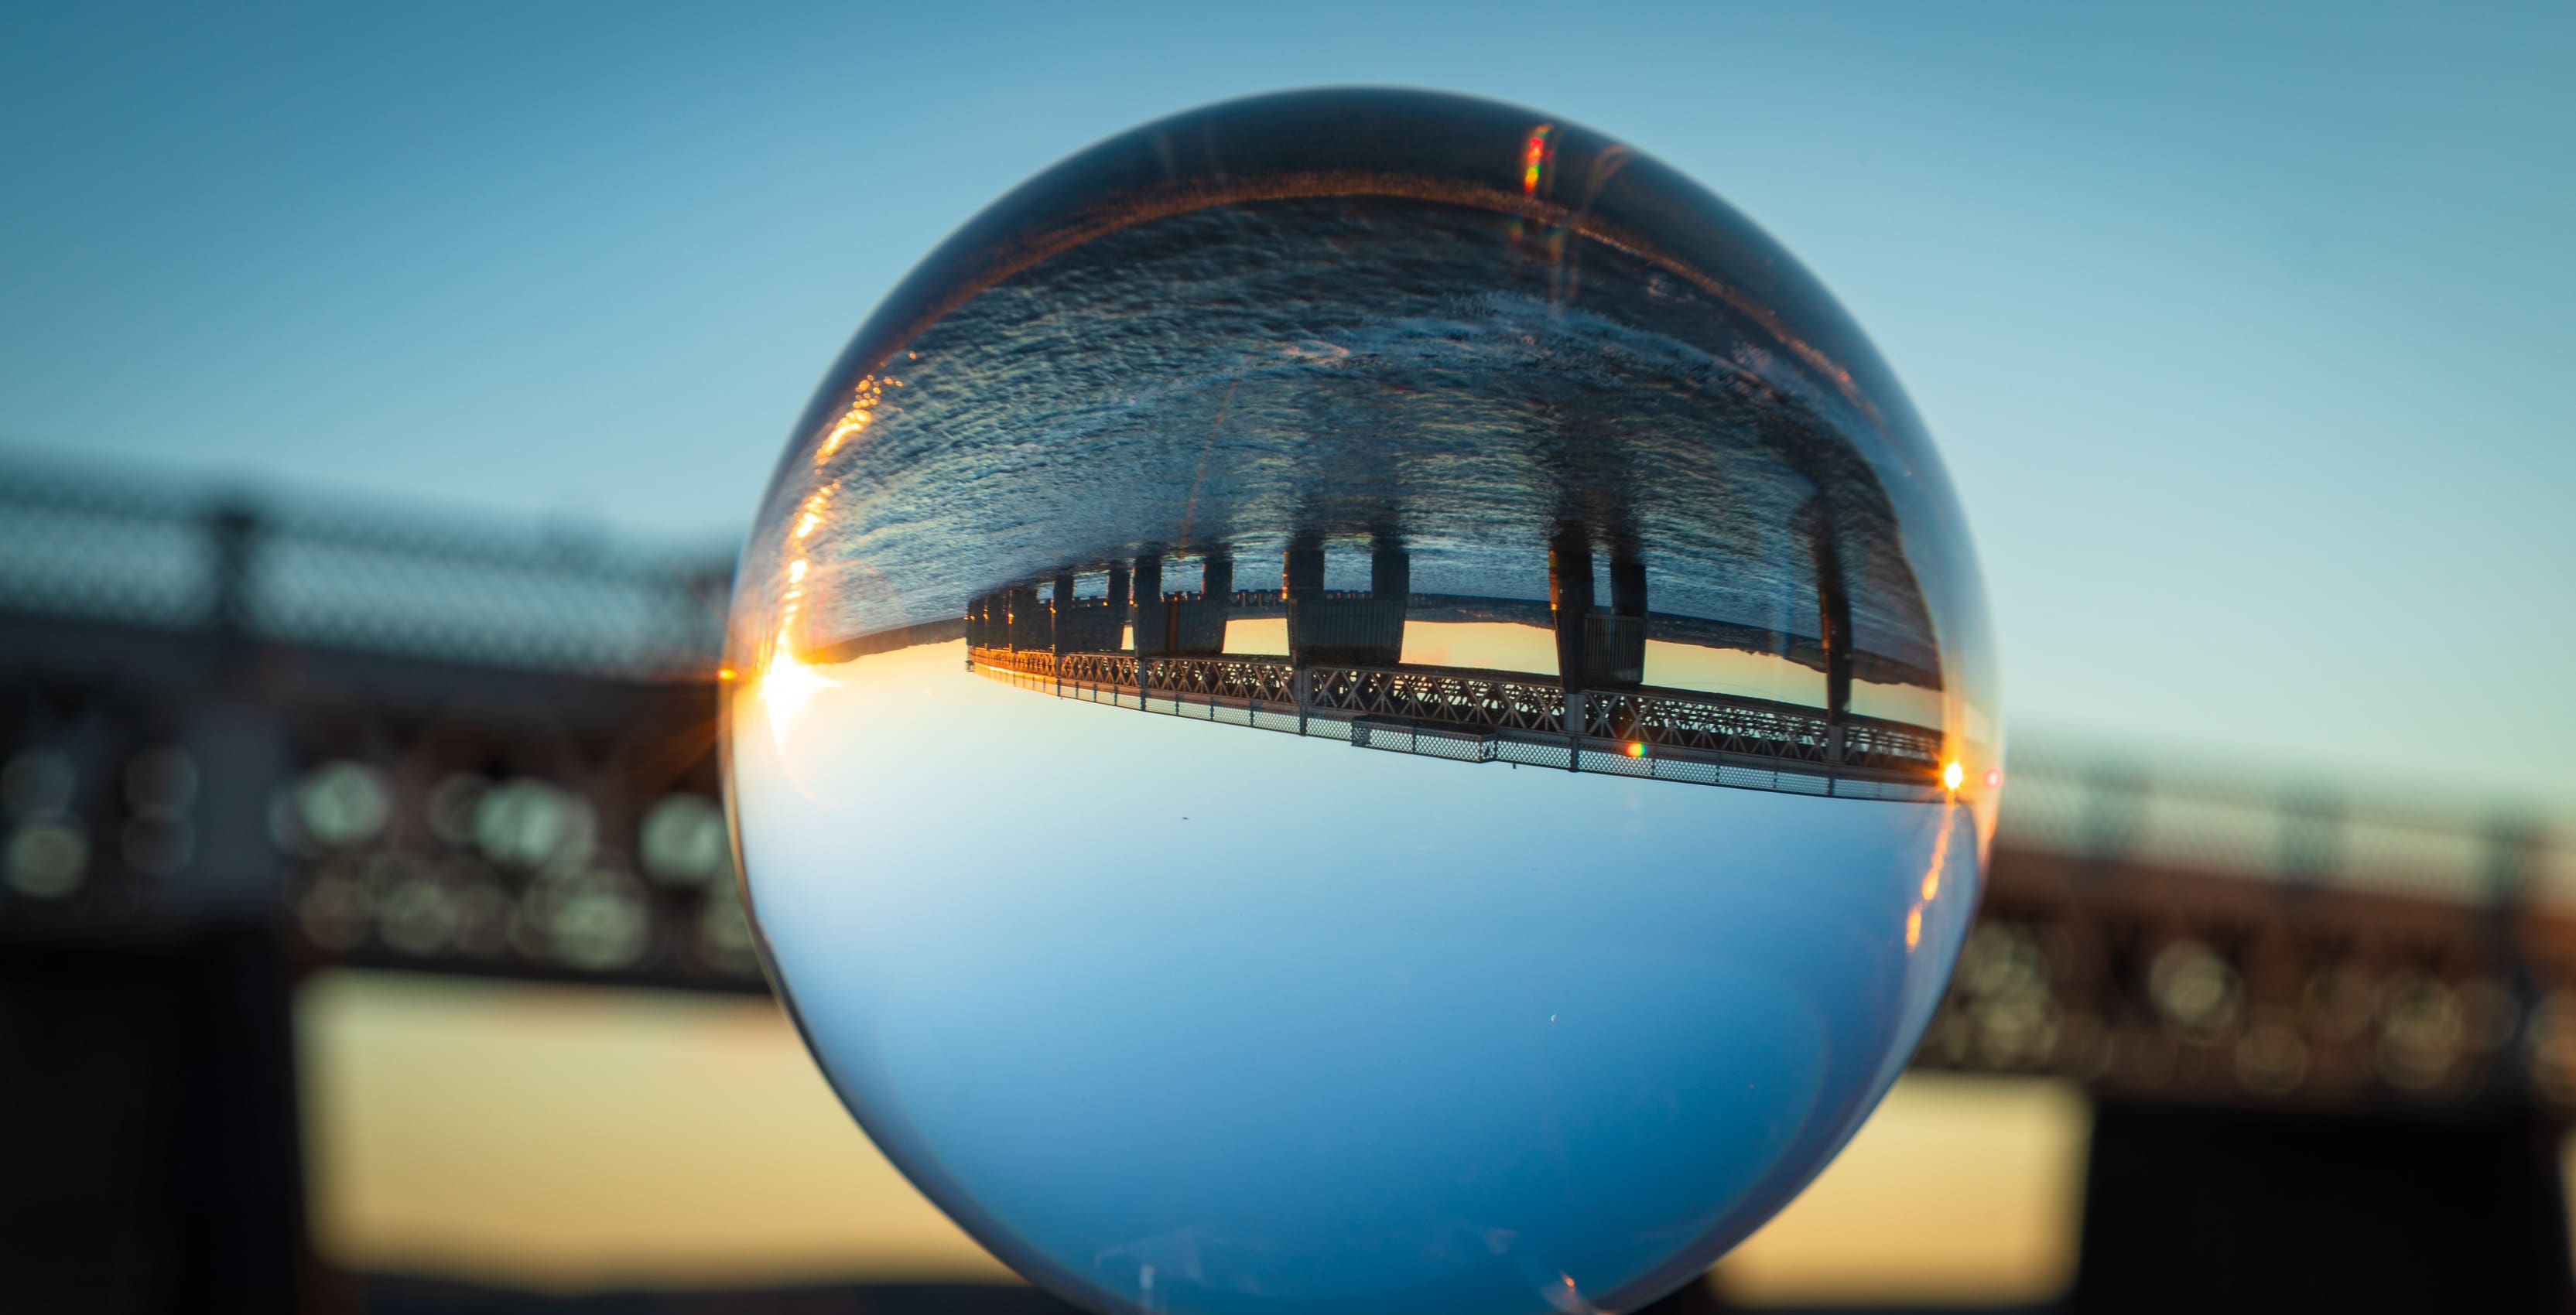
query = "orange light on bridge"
{"x": 1953, "y": 774}
{"x": 1637, "y": 749}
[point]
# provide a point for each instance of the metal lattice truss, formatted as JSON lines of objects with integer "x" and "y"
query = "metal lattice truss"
{"x": 2163, "y": 984}
{"x": 1489, "y": 716}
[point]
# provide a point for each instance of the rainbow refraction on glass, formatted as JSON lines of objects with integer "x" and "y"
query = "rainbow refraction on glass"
{"x": 1360, "y": 701}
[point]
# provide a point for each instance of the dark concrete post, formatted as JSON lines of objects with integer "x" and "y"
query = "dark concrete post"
{"x": 1624, "y": 632}
{"x": 1198, "y": 626}
{"x": 1391, "y": 574}
{"x": 1569, "y": 605}
{"x": 1833, "y": 623}
{"x": 1059, "y": 615}
{"x": 1301, "y": 586}
{"x": 1118, "y": 593}
{"x": 1302, "y": 575}
{"x": 1627, "y": 587}
{"x": 1028, "y": 620}
{"x": 1153, "y": 615}
{"x": 1833, "y": 606}
{"x": 234, "y": 532}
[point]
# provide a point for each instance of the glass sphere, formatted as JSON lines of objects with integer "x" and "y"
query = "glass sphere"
{"x": 1360, "y": 701}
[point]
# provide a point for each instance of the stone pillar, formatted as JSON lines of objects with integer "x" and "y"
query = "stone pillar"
{"x": 1833, "y": 623}
{"x": 1060, "y": 627}
{"x": 1198, "y": 627}
{"x": 1302, "y": 575}
{"x": 1622, "y": 655}
{"x": 1833, "y": 606}
{"x": 1391, "y": 574}
{"x": 1569, "y": 605}
{"x": 1030, "y": 628}
{"x": 1153, "y": 615}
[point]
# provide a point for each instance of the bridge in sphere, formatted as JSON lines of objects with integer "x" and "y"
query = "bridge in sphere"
{"x": 1344, "y": 679}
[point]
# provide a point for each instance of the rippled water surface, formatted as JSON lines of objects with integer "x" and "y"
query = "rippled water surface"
{"x": 1365, "y": 702}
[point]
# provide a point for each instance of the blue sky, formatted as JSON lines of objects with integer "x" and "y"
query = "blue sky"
{"x": 2244, "y": 335}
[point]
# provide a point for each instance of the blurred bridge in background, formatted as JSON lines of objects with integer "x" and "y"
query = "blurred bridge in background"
{"x": 243, "y": 741}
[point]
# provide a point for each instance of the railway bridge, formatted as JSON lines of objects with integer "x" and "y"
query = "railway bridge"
{"x": 1344, "y": 677}
{"x": 243, "y": 743}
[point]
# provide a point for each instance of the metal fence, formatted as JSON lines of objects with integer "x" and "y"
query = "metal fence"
{"x": 83, "y": 545}
{"x": 2101, "y": 804}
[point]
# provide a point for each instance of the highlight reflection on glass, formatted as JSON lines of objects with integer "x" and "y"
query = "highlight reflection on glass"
{"x": 1504, "y": 907}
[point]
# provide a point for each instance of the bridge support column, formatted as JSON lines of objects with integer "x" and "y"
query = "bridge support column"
{"x": 1331, "y": 628}
{"x": 1390, "y": 596}
{"x": 1569, "y": 606}
{"x": 1622, "y": 650}
{"x": 1031, "y": 627}
{"x": 1833, "y": 623}
{"x": 1197, "y": 626}
{"x": 1153, "y": 620}
{"x": 1059, "y": 623}
{"x": 1153, "y": 617}
{"x": 1302, "y": 574}
{"x": 1391, "y": 574}
{"x": 1301, "y": 587}
{"x": 2225, "y": 1210}
{"x": 1569, "y": 603}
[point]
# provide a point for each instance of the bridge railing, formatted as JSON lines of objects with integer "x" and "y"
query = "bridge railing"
{"x": 83, "y": 545}
{"x": 1678, "y": 734}
{"x": 2157, "y": 812}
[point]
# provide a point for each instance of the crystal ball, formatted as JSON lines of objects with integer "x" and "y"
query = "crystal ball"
{"x": 1360, "y": 701}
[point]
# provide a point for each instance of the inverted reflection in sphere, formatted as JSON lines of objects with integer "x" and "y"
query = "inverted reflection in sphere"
{"x": 1360, "y": 702}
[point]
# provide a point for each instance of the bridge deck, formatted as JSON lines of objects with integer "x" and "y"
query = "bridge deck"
{"x": 1490, "y": 716}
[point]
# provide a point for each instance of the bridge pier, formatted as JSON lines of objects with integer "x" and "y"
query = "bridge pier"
{"x": 1032, "y": 626}
{"x": 1615, "y": 643}
{"x": 1153, "y": 620}
{"x": 1082, "y": 627}
{"x": 1060, "y": 621}
{"x": 1833, "y": 622}
{"x": 1302, "y": 576}
{"x": 1594, "y": 649}
{"x": 1391, "y": 573}
{"x": 1569, "y": 606}
{"x": 1569, "y": 603}
{"x": 1198, "y": 624}
{"x": 1359, "y": 631}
